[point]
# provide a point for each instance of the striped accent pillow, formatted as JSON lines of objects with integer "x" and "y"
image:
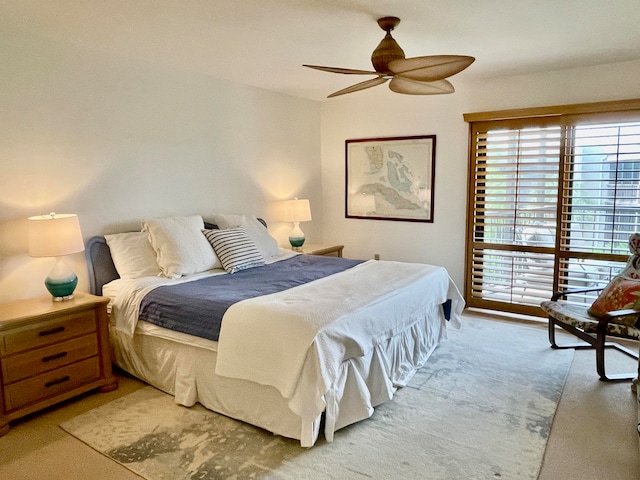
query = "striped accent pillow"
{"x": 234, "y": 248}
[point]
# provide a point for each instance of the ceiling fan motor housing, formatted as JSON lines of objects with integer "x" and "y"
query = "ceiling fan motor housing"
{"x": 386, "y": 52}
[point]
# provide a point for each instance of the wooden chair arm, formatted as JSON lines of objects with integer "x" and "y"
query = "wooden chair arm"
{"x": 610, "y": 317}
{"x": 561, "y": 294}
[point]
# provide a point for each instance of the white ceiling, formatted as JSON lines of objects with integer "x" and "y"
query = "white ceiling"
{"x": 264, "y": 43}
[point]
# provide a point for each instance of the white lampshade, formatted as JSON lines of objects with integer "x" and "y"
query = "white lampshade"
{"x": 296, "y": 210}
{"x": 54, "y": 235}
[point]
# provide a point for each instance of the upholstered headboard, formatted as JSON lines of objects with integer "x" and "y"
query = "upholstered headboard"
{"x": 100, "y": 264}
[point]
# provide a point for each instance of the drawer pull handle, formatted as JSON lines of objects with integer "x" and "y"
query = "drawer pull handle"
{"x": 52, "y": 331}
{"x": 54, "y": 356}
{"x": 66, "y": 378}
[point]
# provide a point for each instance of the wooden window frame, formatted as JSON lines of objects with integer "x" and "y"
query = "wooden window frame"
{"x": 564, "y": 116}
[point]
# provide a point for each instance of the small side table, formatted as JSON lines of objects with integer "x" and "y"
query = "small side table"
{"x": 331, "y": 251}
{"x": 50, "y": 352}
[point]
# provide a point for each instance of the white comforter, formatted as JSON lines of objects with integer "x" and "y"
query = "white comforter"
{"x": 267, "y": 339}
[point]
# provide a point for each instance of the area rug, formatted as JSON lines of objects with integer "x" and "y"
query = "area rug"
{"x": 481, "y": 408}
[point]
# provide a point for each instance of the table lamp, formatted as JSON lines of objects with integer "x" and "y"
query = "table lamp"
{"x": 296, "y": 211}
{"x": 56, "y": 235}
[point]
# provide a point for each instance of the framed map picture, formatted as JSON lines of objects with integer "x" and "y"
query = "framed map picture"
{"x": 390, "y": 178}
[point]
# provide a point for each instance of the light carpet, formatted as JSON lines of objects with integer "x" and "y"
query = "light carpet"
{"x": 481, "y": 408}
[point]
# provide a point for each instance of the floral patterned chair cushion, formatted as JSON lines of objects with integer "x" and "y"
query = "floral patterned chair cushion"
{"x": 578, "y": 316}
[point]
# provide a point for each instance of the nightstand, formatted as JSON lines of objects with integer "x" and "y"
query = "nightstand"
{"x": 52, "y": 351}
{"x": 332, "y": 251}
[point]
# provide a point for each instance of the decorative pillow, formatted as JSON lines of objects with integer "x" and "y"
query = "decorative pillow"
{"x": 179, "y": 245}
{"x": 133, "y": 255}
{"x": 266, "y": 244}
{"x": 621, "y": 293}
{"x": 234, "y": 248}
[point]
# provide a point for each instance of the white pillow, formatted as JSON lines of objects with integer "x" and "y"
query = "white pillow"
{"x": 234, "y": 248}
{"x": 133, "y": 255}
{"x": 267, "y": 245}
{"x": 180, "y": 247}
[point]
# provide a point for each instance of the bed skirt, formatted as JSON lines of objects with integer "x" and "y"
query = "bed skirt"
{"x": 187, "y": 371}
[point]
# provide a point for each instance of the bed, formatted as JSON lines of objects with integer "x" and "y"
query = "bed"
{"x": 326, "y": 342}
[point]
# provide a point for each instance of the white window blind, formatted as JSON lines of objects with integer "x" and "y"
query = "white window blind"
{"x": 601, "y": 199}
{"x": 515, "y": 190}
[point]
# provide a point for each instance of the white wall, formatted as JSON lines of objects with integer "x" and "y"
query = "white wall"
{"x": 118, "y": 140}
{"x": 378, "y": 112}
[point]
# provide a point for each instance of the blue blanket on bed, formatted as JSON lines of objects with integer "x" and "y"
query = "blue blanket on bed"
{"x": 197, "y": 307}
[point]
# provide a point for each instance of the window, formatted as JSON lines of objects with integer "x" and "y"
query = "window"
{"x": 553, "y": 195}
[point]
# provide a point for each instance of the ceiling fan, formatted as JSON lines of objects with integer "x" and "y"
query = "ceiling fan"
{"x": 412, "y": 76}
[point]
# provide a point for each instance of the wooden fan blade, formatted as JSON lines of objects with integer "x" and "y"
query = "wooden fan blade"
{"x": 412, "y": 87}
{"x": 431, "y": 68}
{"x": 346, "y": 71}
{"x": 360, "y": 86}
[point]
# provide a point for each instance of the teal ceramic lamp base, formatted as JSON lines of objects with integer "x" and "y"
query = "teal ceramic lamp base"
{"x": 61, "y": 282}
{"x": 296, "y": 239}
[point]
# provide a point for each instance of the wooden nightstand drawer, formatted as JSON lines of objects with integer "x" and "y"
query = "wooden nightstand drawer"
{"x": 46, "y": 333}
{"x": 51, "y": 383}
{"x": 33, "y": 363}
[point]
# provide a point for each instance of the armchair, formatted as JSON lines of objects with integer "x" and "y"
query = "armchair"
{"x": 615, "y": 313}
{"x": 575, "y": 319}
